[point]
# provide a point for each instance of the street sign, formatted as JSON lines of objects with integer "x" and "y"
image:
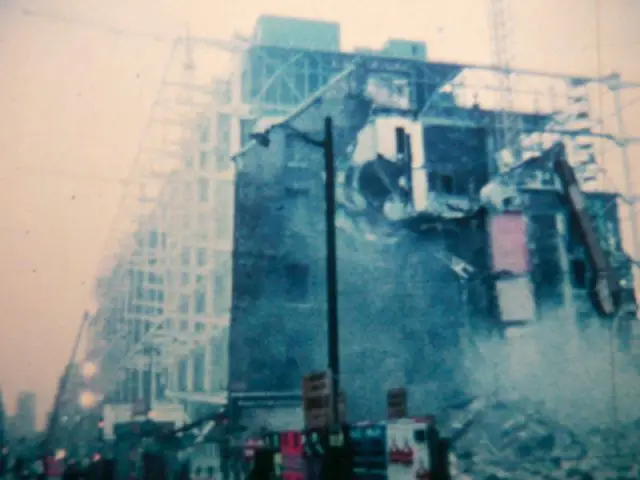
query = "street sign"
{"x": 397, "y": 403}
{"x": 316, "y": 399}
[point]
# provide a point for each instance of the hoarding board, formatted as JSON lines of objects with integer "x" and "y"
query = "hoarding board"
{"x": 509, "y": 243}
{"x": 515, "y": 299}
{"x": 292, "y": 460}
{"x": 369, "y": 447}
{"x": 316, "y": 399}
{"x": 396, "y": 403}
{"x": 408, "y": 456}
{"x": 314, "y": 447}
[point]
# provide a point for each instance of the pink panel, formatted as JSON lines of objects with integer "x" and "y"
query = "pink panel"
{"x": 292, "y": 461}
{"x": 509, "y": 246}
{"x": 54, "y": 467}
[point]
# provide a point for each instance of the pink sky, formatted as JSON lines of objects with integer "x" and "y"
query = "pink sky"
{"x": 74, "y": 98}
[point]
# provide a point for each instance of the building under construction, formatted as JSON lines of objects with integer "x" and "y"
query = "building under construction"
{"x": 221, "y": 289}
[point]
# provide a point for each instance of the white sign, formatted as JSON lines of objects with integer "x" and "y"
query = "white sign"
{"x": 515, "y": 299}
{"x": 316, "y": 398}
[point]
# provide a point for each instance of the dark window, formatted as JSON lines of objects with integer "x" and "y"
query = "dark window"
{"x": 447, "y": 184}
{"x": 440, "y": 182}
{"x": 153, "y": 239}
{"x": 183, "y": 373}
{"x": 297, "y": 281}
{"x": 579, "y": 273}
{"x": 297, "y": 178}
{"x": 185, "y": 256}
{"x": 220, "y": 287}
{"x": 295, "y": 191}
{"x": 183, "y": 306}
{"x": 126, "y": 387}
{"x": 160, "y": 386}
{"x": 198, "y": 372}
{"x": 205, "y": 157}
{"x": 200, "y": 300}
{"x": 205, "y": 132}
{"x": 135, "y": 384}
{"x": 201, "y": 256}
{"x": 203, "y": 186}
{"x": 146, "y": 383}
{"x": 137, "y": 333}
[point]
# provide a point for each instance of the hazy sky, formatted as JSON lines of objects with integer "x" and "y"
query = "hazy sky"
{"x": 74, "y": 96}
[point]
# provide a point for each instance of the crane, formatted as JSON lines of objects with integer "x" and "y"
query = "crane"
{"x": 508, "y": 127}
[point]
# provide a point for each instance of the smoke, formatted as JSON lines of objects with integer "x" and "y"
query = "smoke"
{"x": 400, "y": 320}
{"x": 570, "y": 373}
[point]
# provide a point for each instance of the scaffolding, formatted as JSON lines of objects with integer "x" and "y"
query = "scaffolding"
{"x": 164, "y": 302}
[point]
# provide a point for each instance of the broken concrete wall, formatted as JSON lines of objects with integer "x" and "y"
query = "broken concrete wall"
{"x": 399, "y": 307}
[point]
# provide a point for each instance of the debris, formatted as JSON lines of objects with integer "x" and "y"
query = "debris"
{"x": 497, "y": 439}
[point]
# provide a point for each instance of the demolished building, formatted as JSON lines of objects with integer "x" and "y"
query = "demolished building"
{"x": 419, "y": 266}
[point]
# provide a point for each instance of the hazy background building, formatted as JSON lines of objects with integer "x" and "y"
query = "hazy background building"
{"x": 25, "y": 416}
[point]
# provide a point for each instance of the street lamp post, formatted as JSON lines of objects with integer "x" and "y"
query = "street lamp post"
{"x": 333, "y": 336}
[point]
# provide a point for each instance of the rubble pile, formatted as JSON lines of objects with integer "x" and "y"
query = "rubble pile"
{"x": 496, "y": 439}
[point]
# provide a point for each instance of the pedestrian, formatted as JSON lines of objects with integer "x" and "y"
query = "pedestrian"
{"x": 184, "y": 474}
{"x": 262, "y": 466}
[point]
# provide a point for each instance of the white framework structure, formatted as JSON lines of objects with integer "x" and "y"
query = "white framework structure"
{"x": 163, "y": 320}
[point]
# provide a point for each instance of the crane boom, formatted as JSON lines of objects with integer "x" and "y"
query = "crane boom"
{"x": 604, "y": 291}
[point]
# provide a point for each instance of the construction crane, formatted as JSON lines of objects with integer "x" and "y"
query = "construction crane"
{"x": 508, "y": 124}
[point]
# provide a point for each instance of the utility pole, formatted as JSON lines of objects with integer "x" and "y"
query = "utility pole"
{"x": 333, "y": 337}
